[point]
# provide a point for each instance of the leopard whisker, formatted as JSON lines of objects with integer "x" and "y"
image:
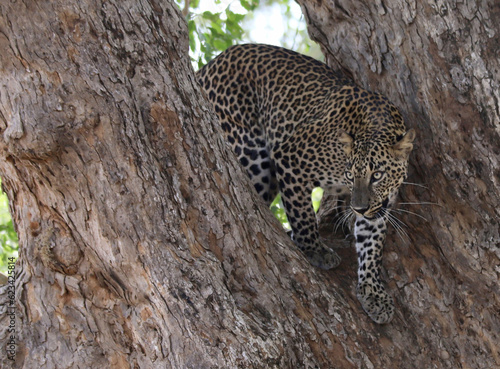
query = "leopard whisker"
{"x": 338, "y": 200}
{"x": 415, "y": 184}
{"x": 348, "y": 219}
{"x": 420, "y": 203}
{"x": 344, "y": 216}
{"x": 410, "y": 212}
{"x": 397, "y": 224}
{"x": 337, "y": 207}
{"x": 341, "y": 217}
{"x": 399, "y": 221}
{"x": 399, "y": 230}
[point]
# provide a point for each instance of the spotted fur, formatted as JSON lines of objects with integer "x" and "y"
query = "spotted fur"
{"x": 295, "y": 124}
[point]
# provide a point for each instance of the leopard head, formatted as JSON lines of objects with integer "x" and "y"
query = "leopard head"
{"x": 375, "y": 168}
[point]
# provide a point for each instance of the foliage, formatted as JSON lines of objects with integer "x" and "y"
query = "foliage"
{"x": 287, "y": 29}
{"x": 279, "y": 211}
{"x": 316, "y": 196}
{"x": 212, "y": 32}
{"x": 8, "y": 236}
{"x": 214, "y": 26}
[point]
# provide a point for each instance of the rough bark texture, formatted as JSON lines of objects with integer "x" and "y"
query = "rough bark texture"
{"x": 439, "y": 61}
{"x": 135, "y": 249}
{"x": 142, "y": 245}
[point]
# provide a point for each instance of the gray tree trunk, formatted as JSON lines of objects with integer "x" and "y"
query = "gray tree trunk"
{"x": 143, "y": 246}
{"x": 439, "y": 62}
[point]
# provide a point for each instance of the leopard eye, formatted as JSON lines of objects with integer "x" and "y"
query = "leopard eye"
{"x": 377, "y": 176}
{"x": 348, "y": 175}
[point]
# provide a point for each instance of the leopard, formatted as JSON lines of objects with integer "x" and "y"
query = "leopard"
{"x": 296, "y": 124}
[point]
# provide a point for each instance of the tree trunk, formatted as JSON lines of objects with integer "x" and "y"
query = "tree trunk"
{"x": 439, "y": 62}
{"x": 142, "y": 244}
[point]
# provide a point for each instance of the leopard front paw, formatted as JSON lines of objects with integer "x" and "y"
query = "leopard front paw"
{"x": 377, "y": 303}
{"x": 323, "y": 257}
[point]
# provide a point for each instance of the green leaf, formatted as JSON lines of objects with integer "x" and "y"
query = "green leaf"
{"x": 220, "y": 44}
{"x": 8, "y": 235}
{"x": 279, "y": 212}
{"x": 234, "y": 18}
{"x": 192, "y": 30}
{"x": 214, "y": 17}
{"x": 249, "y": 4}
{"x": 316, "y": 196}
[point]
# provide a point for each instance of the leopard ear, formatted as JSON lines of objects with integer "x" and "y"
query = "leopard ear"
{"x": 403, "y": 147}
{"x": 346, "y": 140}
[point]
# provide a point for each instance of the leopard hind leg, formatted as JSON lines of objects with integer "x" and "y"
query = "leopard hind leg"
{"x": 252, "y": 153}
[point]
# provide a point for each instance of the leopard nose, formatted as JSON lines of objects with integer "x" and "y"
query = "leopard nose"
{"x": 360, "y": 210}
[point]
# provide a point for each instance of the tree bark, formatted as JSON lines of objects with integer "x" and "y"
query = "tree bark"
{"x": 143, "y": 245}
{"x": 439, "y": 62}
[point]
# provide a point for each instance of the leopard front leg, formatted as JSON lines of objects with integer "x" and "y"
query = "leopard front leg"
{"x": 370, "y": 238}
{"x": 296, "y": 198}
